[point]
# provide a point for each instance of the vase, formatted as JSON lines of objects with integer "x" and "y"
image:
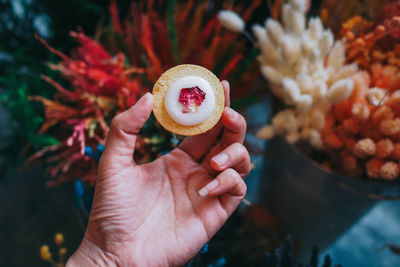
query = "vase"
{"x": 313, "y": 204}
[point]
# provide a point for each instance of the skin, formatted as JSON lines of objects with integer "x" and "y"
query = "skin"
{"x": 153, "y": 214}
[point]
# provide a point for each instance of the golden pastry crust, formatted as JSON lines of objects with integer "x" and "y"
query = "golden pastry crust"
{"x": 163, "y": 84}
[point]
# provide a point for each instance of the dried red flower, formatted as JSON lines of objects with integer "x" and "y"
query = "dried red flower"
{"x": 191, "y": 98}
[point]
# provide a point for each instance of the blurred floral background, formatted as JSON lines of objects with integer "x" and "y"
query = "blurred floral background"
{"x": 317, "y": 79}
{"x": 66, "y": 69}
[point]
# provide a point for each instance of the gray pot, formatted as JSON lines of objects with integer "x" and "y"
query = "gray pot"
{"x": 312, "y": 204}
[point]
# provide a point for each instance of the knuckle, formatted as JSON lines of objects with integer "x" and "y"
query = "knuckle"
{"x": 241, "y": 152}
{"x": 248, "y": 168}
{"x": 115, "y": 123}
{"x": 242, "y": 119}
{"x": 244, "y": 190}
{"x": 246, "y": 172}
{"x": 241, "y": 187}
{"x": 245, "y": 169}
{"x": 246, "y": 156}
{"x": 242, "y": 122}
{"x": 232, "y": 174}
{"x": 238, "y": 148}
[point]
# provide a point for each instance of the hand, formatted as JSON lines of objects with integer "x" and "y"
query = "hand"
{"x": 162, "y": 213}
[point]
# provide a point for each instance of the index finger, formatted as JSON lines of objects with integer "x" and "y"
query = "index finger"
{"x": 197, "y": 146}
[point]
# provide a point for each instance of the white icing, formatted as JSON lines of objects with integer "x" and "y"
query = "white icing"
{"x": 174, "y": 107}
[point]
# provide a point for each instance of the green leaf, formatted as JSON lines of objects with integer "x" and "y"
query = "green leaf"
{"x": 148, "y": 127}
{"x": 171, "y": 28}
{"x": 244, "y": 102}
{"x": 43, "y": 140}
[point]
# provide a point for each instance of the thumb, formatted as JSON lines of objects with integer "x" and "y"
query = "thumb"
{"x": 121, "y": 138}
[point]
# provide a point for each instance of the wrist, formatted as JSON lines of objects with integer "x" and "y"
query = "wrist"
{"x": 89, "y": 254}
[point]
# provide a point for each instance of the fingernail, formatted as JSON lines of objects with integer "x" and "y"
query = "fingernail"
{"x": 142, "y": 99}
{"x": 225, "y": 83}
{"x": 209, "y": 187}
{"x": 220, "y": 159}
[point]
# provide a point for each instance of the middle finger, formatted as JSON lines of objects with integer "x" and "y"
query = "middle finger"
{"x": 234, "y": 156}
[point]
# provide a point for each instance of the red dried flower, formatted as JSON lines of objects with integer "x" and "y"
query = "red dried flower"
{"x": 191, "y": 98}
{"x": 103, "y": 81}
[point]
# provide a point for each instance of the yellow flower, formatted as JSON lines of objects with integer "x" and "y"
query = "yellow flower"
{"x": 59, "y": 239}
{"x": 252, "y": 166}
{"x": 45, "y": 253}
{"x": 63, "y": 251}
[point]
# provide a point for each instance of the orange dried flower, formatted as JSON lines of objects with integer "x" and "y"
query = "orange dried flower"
{"x": 364, "y": 148}
{"x": 360, "y": 111}
{"x": 332, "y": 140}
{"x": 384, "y": 148}
{"x": 329, "y": 122}
{"x": 349, "y": 36}
{"x": 390, "y": 170}
{"x": 373, "y": 167}
{"x": 395, "y": 138}
{"x": 371, "y": 131}
{"x": 368, "y": 122}
{"x": 362, "y": 48}
{"x": 382, "y": 76}
{"x": 341, "y": 132}
{"x": 382, "y": 113}
{"x": 349, "y": 144}
{"x": 390, "y": 127}
{"x": 351, "y": 126}
{"x": 394, "y": 101}
{"x": 362, "y": 81}
{"x": 380, "y": 30}
{"x": 396, "y": 151}
{"x": 342, "y": 110}
{"x": 350, "y": 165}
{"x": 354, "y": 22}
{"x": 349, "y": 162}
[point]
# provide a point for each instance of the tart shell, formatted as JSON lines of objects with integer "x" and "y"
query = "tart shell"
{"x": 163, "y": 84}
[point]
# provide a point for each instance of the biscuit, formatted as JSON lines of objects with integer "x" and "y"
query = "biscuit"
{"x": 188, "y": 100}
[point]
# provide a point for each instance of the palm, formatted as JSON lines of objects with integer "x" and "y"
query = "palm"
{"x": 170, "y": 200}
{"x": 154, "y": 212}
